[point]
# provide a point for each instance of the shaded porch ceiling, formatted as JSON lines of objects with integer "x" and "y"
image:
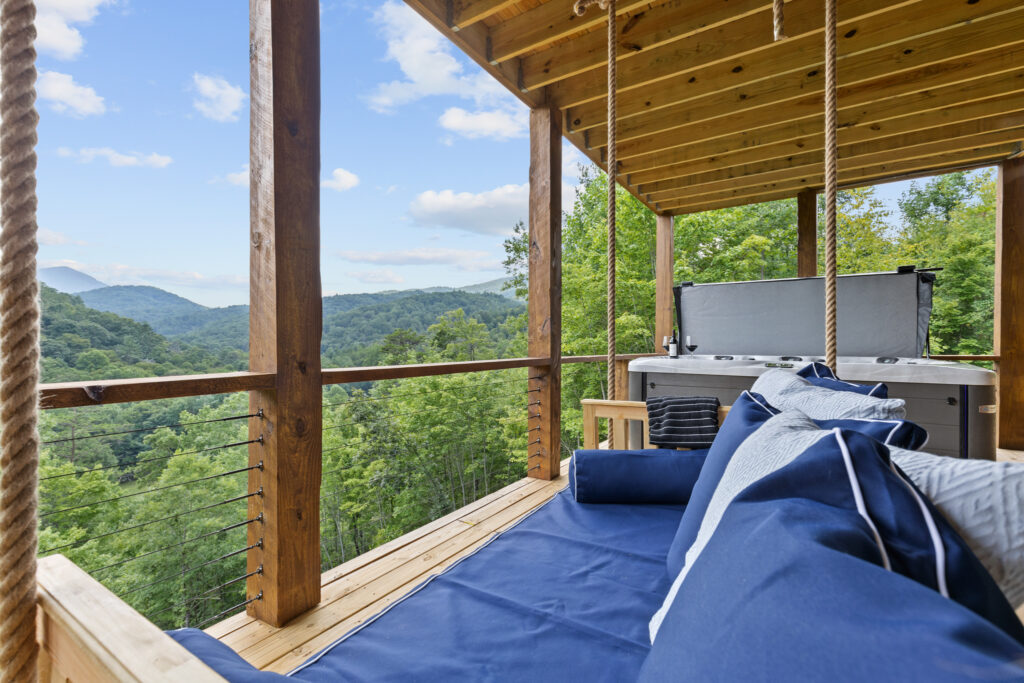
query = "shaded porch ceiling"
{"x": 714, "y": 113}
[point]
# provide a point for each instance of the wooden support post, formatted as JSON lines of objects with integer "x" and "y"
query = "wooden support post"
{"x": 807, "y": 233}
{"x": 285, "y": 306}
{"x": 1009, "y": 322}
{"x": 664, "y": 263}
{"x": 544, "y": 335}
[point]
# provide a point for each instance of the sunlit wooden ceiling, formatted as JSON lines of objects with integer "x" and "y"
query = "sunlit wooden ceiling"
{"x": 714, "y": 113}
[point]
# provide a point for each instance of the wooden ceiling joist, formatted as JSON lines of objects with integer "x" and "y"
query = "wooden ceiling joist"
{"x": 714, "y": 112}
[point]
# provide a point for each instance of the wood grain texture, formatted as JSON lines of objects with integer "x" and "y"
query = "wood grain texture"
{"x": 285, "y": 306}
{"x": 807, "y": 233}
{"x": 544, "y": 327}
{"x": 1009, "y": 321}
{"x": 382, "y": 372}
{"x": 664, "y": 263}
{"x": 107, "y": 391}
{"x": 89, "y": 634}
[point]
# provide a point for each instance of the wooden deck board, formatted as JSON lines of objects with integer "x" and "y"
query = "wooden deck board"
{"x": 356, "y": 590}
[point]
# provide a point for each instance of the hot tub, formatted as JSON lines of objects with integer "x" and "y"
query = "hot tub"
{"x": 948, "y": 399}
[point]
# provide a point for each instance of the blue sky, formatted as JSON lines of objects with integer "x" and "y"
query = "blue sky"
{"x": 144, "y": 142}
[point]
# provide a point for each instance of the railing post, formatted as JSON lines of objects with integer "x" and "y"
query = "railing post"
{"x": 1009, "y": 314}
{"x": 664, "y": 263}
{"x": 285, "y": 306}
{"x": 807, "y": 233}
{"x": 544, "y": 334}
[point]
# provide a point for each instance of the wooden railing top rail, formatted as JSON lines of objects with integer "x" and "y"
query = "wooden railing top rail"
{"x": 108, "y": 391}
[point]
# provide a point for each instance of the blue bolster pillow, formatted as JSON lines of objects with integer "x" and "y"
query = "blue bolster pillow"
{"x": 648, "y": 477}
{"x": 821, "y": 375}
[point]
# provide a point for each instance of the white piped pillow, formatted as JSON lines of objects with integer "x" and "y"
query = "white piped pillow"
{"x": 984, "y": 501}
{"x": 787, "y": 391}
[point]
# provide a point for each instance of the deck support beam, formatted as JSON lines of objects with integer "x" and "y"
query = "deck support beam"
{"x": 807, "y": 233}
{"x": 1009, "y": 313}
{"x": 285, "y": 316}
{"x": 664, "y": 263}
{"x": 544, "y": 333}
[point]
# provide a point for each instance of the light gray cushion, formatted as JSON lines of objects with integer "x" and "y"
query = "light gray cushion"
{"x": 984, "y": 501}
{"x": 788, "y": 391}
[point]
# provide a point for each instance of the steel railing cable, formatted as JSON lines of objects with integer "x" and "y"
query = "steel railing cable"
{"x": 133, "y": 527}
{"x": 152, "y": 490}
{"x": 189, "y": 570}
{"x": 392, "y": 416}
{"x": 145, "y": 460}
{"x": 366, "y": 399}
{"x": 236, "y": 525}
{"x": 149, "y": 429}
{"x": 230, "y": 610}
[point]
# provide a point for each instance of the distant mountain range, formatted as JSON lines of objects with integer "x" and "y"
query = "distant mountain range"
{"x": 353, "y": 323}
{"x": 68, "y": 280}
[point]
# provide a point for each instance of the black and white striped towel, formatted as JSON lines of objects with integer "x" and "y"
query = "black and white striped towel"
{"x": 682, "y": 421}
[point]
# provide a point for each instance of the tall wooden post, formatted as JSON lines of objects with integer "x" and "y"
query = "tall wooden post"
{"x": 545, "y": 306}
{"x": 285, "y": 306}
{"x": 664, "y": 263}
{"x": 1009, "y": 320}
{"x": 807, "y": 233}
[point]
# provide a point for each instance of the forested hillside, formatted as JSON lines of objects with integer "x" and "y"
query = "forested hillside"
{"x": 145, "y": 304}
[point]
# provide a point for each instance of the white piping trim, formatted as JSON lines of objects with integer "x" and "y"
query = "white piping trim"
{"x": 933, "y": 531}
{"x": 766, "y": 408}
{"x": 858, "y": 497}
{"x": 575, "y": 470}
{"x": 892, "y": 433}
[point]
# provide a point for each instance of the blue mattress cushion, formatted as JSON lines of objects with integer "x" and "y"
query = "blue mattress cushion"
{"x": 221, "y": 658}
{"x": 653, "y": 476}
{"x": 831, "y": 566}
{"x": 747, "y": 414}
{"x": 821, "y": 375}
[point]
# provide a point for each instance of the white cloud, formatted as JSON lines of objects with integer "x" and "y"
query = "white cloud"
{"x": 341, "y": 180}
{"x": 52, "y": 238}
{"x": 427, "y": 63}
{"x": 240, "y": 178}
{"x": 500, "y": 124}
{"x": 121, "y": 274}
{"x": 493, "y": 212}
{"x": 114, "y": 158}
{"x": 461, "y": 259}
{"x": 218, "y": 100}
{"x": 377, "y": 277}
{"x": 54, "y": 25}
{"x": 66, "y": 96}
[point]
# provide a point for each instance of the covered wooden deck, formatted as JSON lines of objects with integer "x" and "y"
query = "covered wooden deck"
{"x": 360, "y": 588}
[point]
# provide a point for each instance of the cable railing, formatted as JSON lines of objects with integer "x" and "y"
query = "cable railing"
{"x": 159, "y": 513}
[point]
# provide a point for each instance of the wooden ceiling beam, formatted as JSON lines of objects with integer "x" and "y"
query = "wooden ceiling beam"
{"x": 811, "y": 176}
{"x": 808, "y": 134}
{"x": 638, "y": 31}
{"x": 547, "y": 23}
{"x": 945, "y": 138}
{"x": 757, "y": 81}
{"x": 912, "y": 102}
{"x": 474, "y": 41}
{"x": 464, "y": 13}
{"x": 700, "y": 119}
{"x": 725, "y": 58}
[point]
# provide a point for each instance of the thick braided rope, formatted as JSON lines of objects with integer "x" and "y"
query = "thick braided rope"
{"x": 19, "y": 343}
{"x": 831, "y": 154}
{"x": 612, "y": 167}
{"x": 777, "y": 19}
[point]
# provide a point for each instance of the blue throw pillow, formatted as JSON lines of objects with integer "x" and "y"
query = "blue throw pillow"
{"x": 749, "y": 412}
{"x": 647, "y": 477}
{"x": 222, "y": 658}
{"x": 821, "y": 375}
{"x": 830, "y": 565}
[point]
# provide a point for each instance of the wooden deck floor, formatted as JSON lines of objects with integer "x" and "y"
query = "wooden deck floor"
{"x": 363, "y": 586}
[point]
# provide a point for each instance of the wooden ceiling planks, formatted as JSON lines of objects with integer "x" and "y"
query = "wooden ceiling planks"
{"x": 713, "y": 112}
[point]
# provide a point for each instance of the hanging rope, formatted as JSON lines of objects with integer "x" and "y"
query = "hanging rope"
{"x": 580, "y": 8}
{"x": 777, "y": 19}
{"x": 831, "y": 154}
{"x": 19, "y": 343}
